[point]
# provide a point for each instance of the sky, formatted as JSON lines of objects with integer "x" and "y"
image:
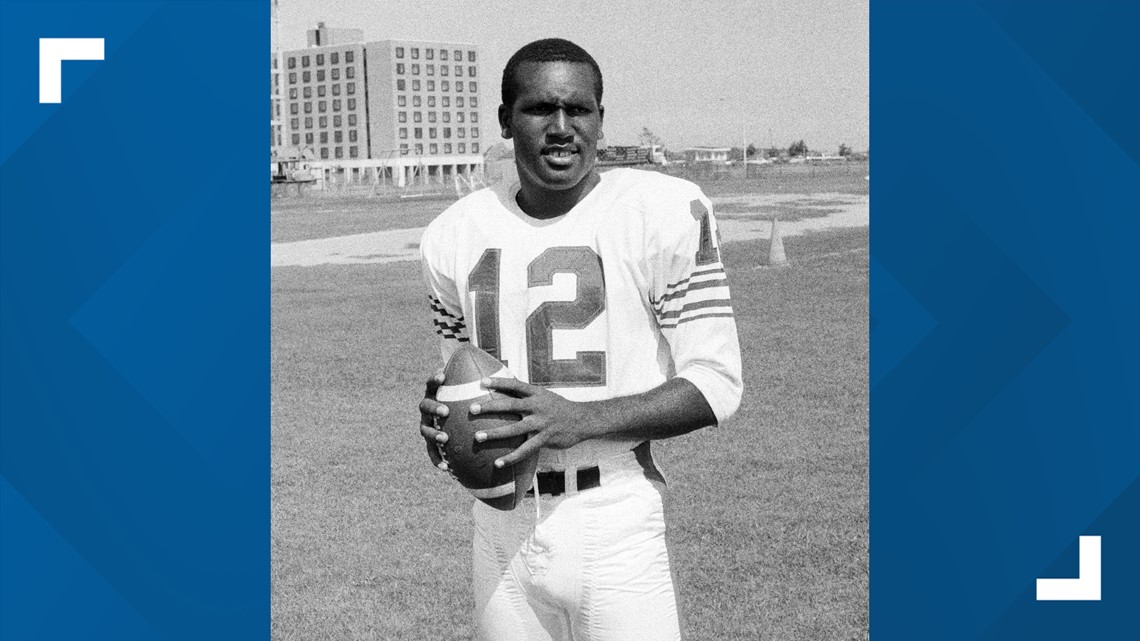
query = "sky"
{"x": 696, "y": 73}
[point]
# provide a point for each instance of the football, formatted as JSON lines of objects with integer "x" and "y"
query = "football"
{"x": 472, "y": 463}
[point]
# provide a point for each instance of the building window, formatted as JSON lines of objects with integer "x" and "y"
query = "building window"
{"x": 322, "y": 106}
{"x": 459, "y": 117}
{"x": 336, "y": 104}
{"x": 309, "y": 138}
{"x": 399, "y": 67}
{"x": 474, "y": 147}
{"x": 320, "y": 75}
{"x": 447, "y": 116}
{"x": 459, "y": 101}
{"x": 431, "y": 132}
{"x": 334, "y": 58}
{"x": 351, "y": 135}
{"x": 462, "y": 148}
{"x": 339, "y": 152}
{"x": 324, "y": 153}
{"x": 447, "y": 101}
{"x": 415, "y": 53}
{"x": 431, "y": 85}
{"x": 348, "y": 56}
{"x": 415, "y": 70}
{"x": 292, "y": 62}
{"x": 351, "y": 104}
{"x": 296, "y": 140}
{"x": 444, "y": 85}
{"x": 304, "y": 61}
{"x": 293, "y": 108}
{"x": 446, "y": 132}
{"x": 399, "y": 52}
{"x": 338, "y": 136}
{"x": 447, "y": 148}
{"x": 458, "y": 70}
{"x": 307, "y": 92}
{"x": 429, "y": 53}
{"x": 306, "y": 76}
{"x": 308, "y": 122}
{"x": 474, "y": 132}
{"x": 320, "y": 91}
{"x": 474, "y": 102}
{"x": 431, "y": 101}
{"x": 351, "y": 120}
{"x": 401, "y": 101}
{"x": 294, "y": 123}
{"x": 336, "y": 73}
{"x": 419, "y": 133}
{"x": 431, "y": 116}
{"x": 460, "y": 131}
{"x": 403, "y": 132}
{"x": 417, "y": 117}
{"x": 402, "y": 116}
{"x": 350, "y": 88}
{"x": 324, "y": 137}
{"x": 352, "y": 152}
{"x": 458, "y": 55}
{"x": 471, "y": 86}
{"x": 308, "y": 107}
{"x": 401, "y": 85}
{"x": 350, "y": 72}
{"x": 337, "y": 120}
{"x": 419, "y": 149}
{"x": 292, "y": 77}
{"x": 416, "y": 101}
{"x": 336, "y": 89}
{"x": 323, "y": 121}
{"x": 471, "y": 71}
{"x": 320, "y": 59}
{"x": 443, "y": 70}
{"x": 433, "y": 148}
{"x": 443, "y": 54}
{"x": 431, "y": 70}
{"x": 415, "y": 85}
{"x": 458, "y": 86}
{"x": 474, "y": 116}
{"x": 404, "y": 149}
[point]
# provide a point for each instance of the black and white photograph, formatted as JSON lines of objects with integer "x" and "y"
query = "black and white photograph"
{"x": 570, "y": 320}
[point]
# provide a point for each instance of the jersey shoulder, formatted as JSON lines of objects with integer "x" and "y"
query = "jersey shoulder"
{"x": 453, "y": 221}
{"x": 653, "y": 193}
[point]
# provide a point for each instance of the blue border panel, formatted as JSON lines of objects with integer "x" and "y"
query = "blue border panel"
{"x": 1005, "y": 296}
{"x": 134, "y": 264}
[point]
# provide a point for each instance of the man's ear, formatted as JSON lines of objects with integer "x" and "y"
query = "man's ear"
{"x": 505, "y": 121}
{"x": 601, "y": 117}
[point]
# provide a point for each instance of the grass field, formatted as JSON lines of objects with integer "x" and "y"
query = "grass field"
{"x": 767, "y": 514}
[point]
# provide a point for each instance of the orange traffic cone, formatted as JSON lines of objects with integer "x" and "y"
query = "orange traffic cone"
{"x": 776, "y": 256}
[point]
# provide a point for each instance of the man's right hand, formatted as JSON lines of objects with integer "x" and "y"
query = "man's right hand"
{"x": 430, "y": 409}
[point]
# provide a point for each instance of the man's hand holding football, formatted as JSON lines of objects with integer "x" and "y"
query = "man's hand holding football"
{"x": 429, "y": 410}
{"x": 551, "y": 420}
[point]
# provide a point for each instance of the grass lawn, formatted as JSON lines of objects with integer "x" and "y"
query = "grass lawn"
{"x": 767, "y": 514}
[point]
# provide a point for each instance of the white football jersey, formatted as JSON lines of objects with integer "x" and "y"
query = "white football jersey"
{"x": 613, "y": 298}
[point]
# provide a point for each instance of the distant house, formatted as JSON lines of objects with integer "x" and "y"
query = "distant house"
{"x": 712, "y": 155}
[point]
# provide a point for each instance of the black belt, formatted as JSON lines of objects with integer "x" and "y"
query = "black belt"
{"x": 554, "y": 483}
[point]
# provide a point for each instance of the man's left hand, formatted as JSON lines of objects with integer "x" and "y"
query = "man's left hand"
{"x": 551, "y": 421}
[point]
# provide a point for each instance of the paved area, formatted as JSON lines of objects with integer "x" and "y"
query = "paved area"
{"x": 744, "y": 218}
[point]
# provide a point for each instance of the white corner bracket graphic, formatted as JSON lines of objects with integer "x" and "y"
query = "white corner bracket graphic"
{"x": 53, "y": 51}
{"x": 1086, "y": 587}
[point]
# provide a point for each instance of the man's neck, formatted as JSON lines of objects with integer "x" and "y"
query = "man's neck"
{"x": 544, "y": 204}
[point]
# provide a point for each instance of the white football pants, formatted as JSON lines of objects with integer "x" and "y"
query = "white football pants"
{"x": 594, "y": 568}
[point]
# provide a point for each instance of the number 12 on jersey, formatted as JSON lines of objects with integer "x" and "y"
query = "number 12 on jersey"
{"x": 587, "y": 368}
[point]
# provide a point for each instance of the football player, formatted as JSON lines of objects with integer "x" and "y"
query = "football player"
{"x": 606, "y": 296}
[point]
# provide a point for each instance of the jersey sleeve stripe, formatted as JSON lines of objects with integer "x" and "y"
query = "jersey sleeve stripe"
{"x": 716, "y": 269}
{"x": 704, "y": 284}
{"x": 704, "y": 304}
{"x": 672, "y": 324}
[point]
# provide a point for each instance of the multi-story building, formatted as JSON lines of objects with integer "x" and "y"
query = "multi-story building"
{"x": 392, "y": 107}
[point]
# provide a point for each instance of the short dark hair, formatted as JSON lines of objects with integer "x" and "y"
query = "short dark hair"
{"x": 547, "y": 50}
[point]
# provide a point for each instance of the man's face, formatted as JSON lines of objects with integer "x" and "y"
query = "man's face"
{"x": 556, "y": 123}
